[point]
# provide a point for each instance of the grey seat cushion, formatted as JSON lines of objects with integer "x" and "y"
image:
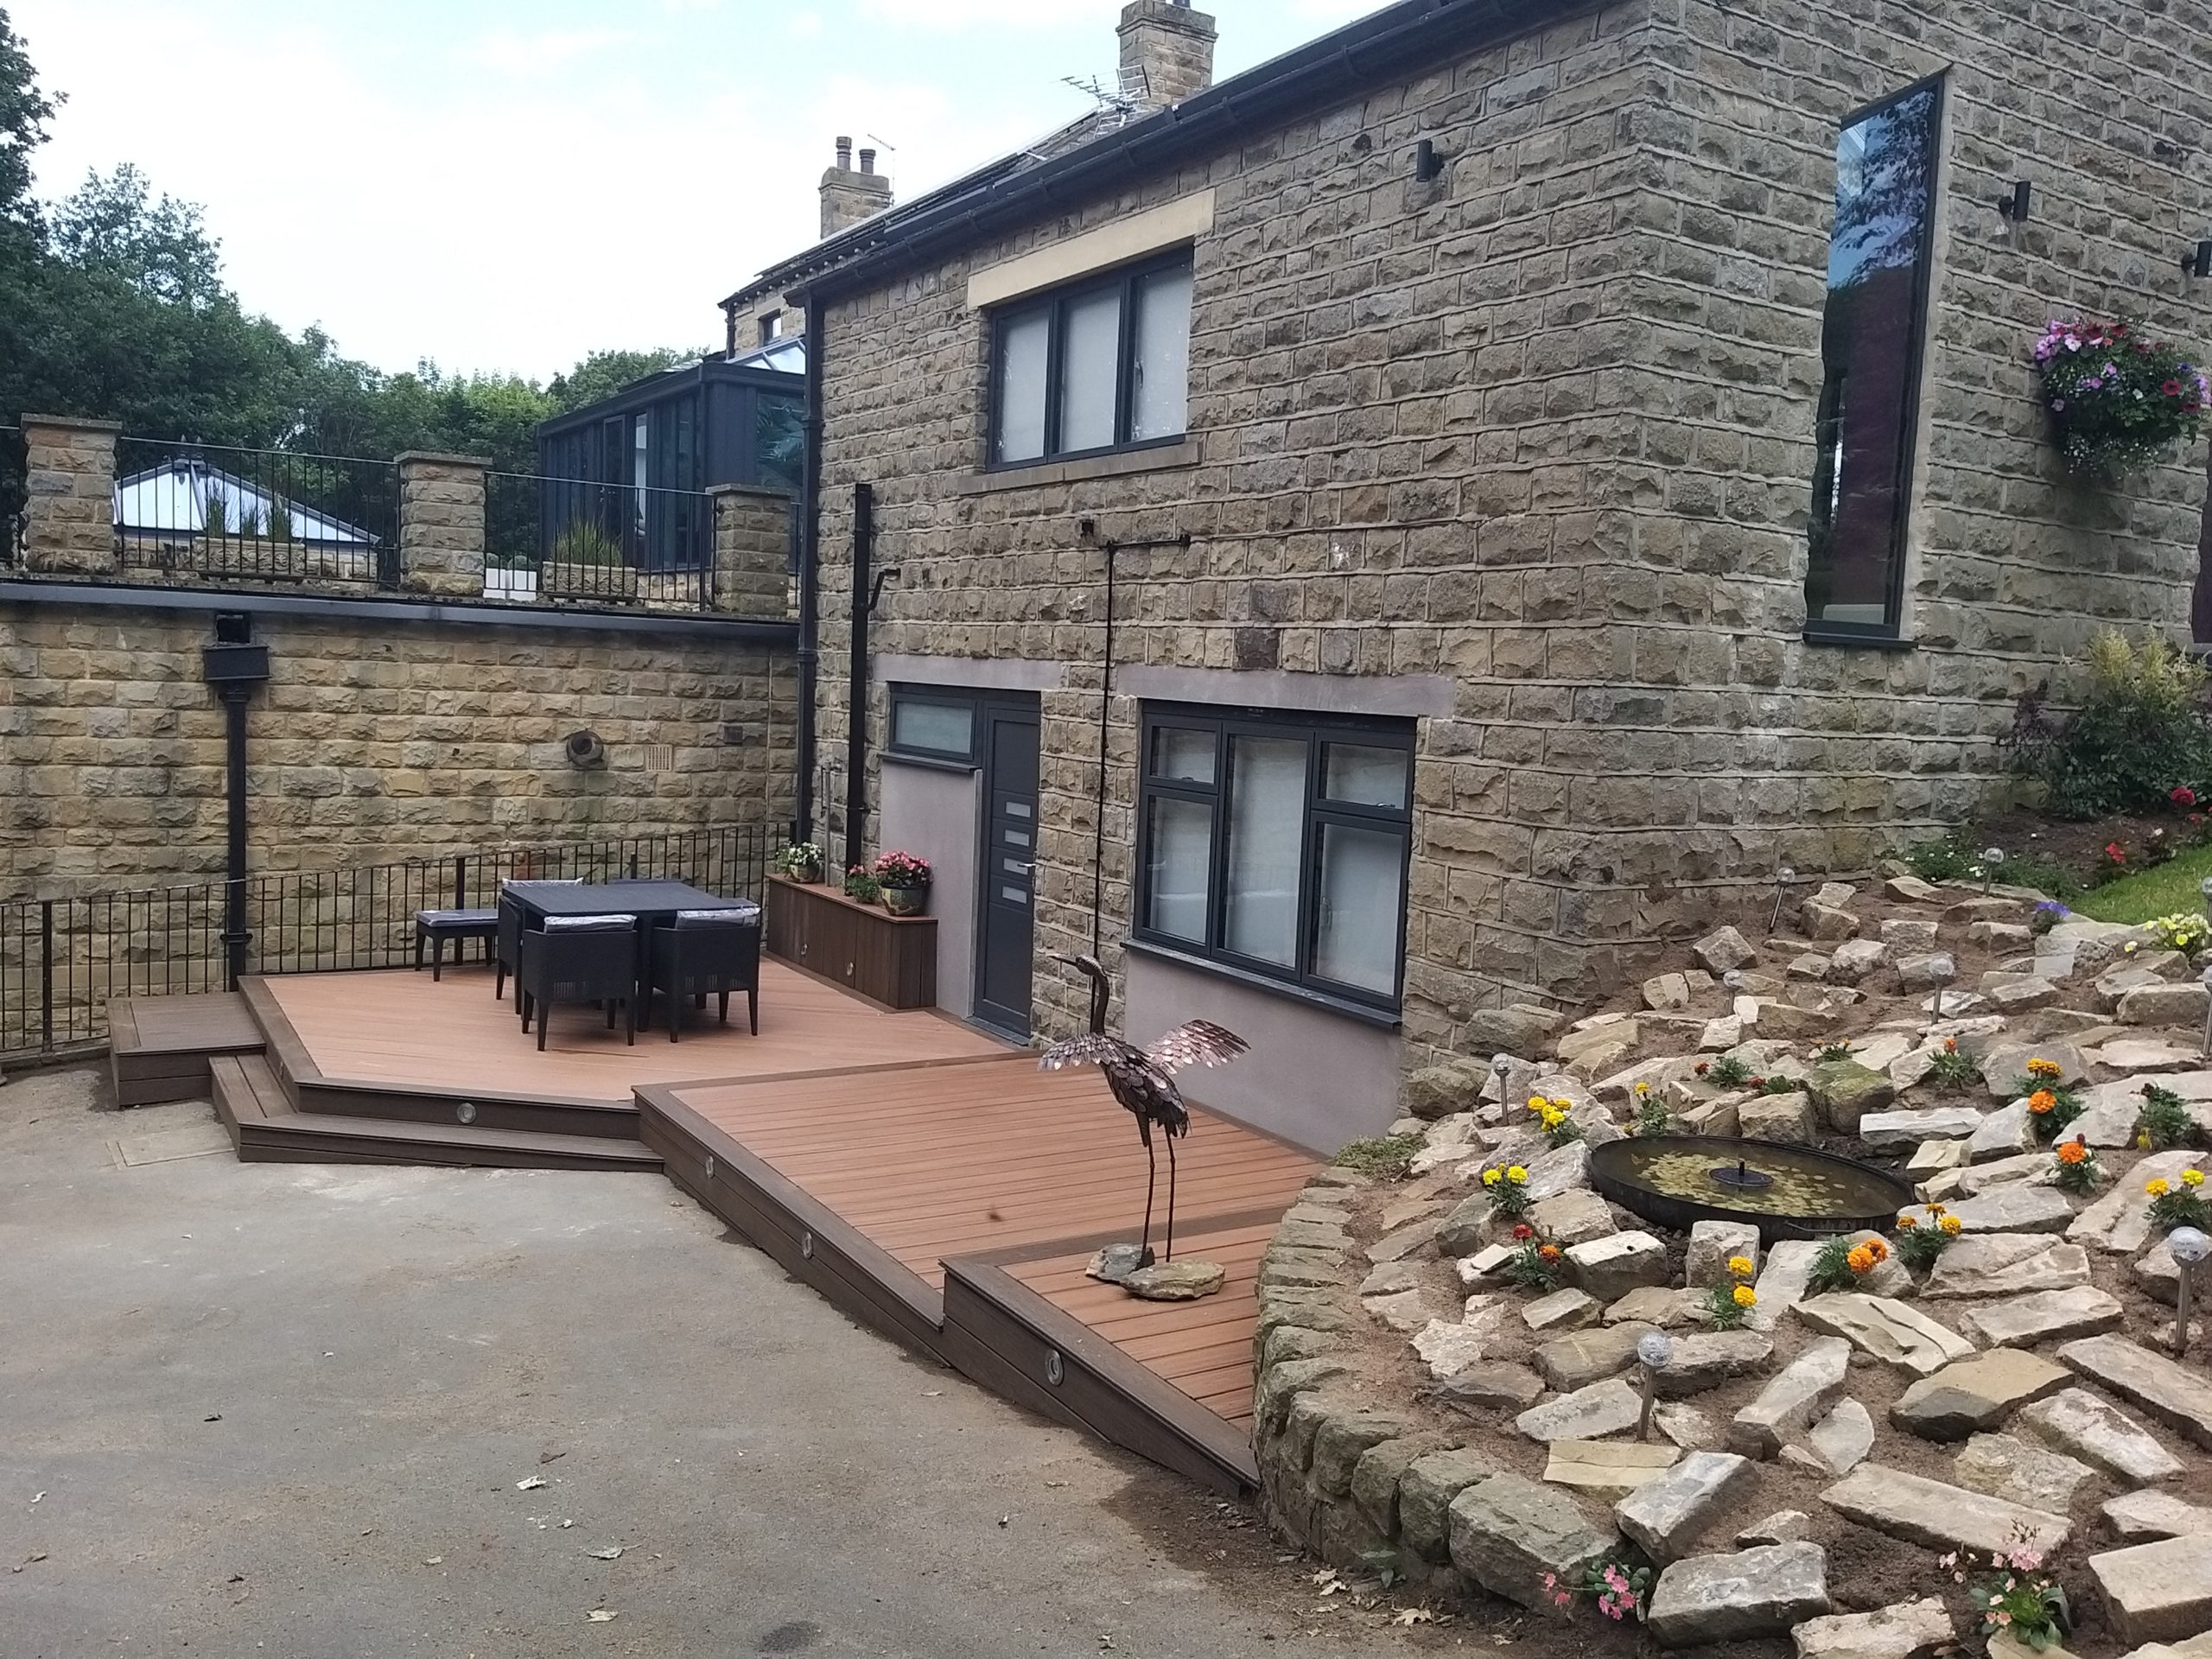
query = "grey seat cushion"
{"x": 744, "y": 915}
{"x": 458, "y": 918}
{"x": 590, "y": 924}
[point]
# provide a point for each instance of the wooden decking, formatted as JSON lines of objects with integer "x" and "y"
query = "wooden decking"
{"x": 954, "y": 1203}
{"x": 159, "y": 1046}
{"x": 398, "y": 1029}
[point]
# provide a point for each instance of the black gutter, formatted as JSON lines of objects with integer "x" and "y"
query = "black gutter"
{"x": 132, "y": 597}
{"x": 1410, "y": 38}
{"x": 856, "y": 676}
{"x": 809, "y": 574}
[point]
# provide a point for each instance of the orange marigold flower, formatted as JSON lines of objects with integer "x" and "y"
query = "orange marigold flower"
{"x": 2072, "y": 1152}
{"x": 2042, "y": 1100}
{"x": 1861, "y": 1259}
{"x": 1906, "y": 1223}
{"x": 1881, "y": 1250}
{"x": 1950, "y": 1045}
{"x": 1549, "y": 1252}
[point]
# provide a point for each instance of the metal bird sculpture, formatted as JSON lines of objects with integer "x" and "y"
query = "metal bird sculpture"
{"x": 1143, "y": 1080}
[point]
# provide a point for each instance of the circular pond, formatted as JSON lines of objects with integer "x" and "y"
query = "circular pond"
{"x": 1786, "y": 1191}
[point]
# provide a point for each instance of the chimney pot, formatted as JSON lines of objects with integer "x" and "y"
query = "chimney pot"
{"x": 868, "y": 160}
{"x": 845, "y": 153}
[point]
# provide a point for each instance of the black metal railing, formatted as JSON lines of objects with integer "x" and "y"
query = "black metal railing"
{"x": 572, "y": 539}
{"x": 255, "y": 515}
{"x": 14, "y": 496}
{"x": 61, "y": 960}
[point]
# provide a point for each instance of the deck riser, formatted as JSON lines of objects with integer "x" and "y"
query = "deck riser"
{"x": 536, "y": 1117}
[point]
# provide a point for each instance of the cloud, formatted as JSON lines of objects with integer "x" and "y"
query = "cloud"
{"x": 956, "y": 16}
{"x": 513, "y": 52}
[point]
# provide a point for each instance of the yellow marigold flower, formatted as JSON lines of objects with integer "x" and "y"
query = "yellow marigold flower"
{"x": 1950, "y": 1224}
{"x": 1745, "y": 1296}
{"x": 2042, "y": 1100}
{"x": 1516, "y": 1175}
{"x": 1492, "y": 1177}
{"x": 1740, "y": 1265}
{"x": 2142, "y": 1139}
{"x": 2157, "y": 1187}
{"x": 2192, "y": 1178}
{"x": 1642, "y": 1090}
{"x": 1906, "y": 1223}
{"x": 2040, "y": 1068}
{"x": 1537, "y": 1102}
{"x": 1935, "y": 1209}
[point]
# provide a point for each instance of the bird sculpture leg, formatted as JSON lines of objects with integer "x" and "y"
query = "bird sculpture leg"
{"x": 1151, "y": 1178}
{"x": 1170, "y": 1246}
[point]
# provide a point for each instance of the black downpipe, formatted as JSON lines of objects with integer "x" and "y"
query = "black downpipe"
{"x": 809, "y": 574}
{"x": 235, "y": 697}
{"x": 856, "y": 674}
{"x": 1098, "y": 803}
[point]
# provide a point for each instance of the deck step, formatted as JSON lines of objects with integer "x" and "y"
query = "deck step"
{"x": 560, "y": 1119}
{"x": 265, "y": 1127}
{"x": 159, "y": 1046}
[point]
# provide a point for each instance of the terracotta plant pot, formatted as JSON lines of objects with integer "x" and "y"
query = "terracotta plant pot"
{"x": 906, "y": 901}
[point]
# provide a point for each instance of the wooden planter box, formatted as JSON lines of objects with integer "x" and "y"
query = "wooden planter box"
{"x": 888, "y": 959}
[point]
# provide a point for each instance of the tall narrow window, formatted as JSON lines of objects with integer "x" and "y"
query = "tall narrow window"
{"x": 1871, "y": 337}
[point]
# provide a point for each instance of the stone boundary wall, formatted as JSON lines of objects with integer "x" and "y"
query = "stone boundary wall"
{"x": 374, "y": 740}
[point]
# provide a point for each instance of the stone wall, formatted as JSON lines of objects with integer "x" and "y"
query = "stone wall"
{"x": 1544, "y": 426}
{"x": 374, "y": 740}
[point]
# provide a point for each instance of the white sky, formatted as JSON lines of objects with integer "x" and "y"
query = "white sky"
{"x": 508, "y": 184}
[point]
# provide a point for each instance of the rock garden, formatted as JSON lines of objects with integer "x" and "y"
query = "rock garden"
{"x": 1826, "y": 1290}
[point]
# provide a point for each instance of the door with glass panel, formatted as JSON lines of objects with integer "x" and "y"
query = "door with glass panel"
{"x": 1006, "y": 935}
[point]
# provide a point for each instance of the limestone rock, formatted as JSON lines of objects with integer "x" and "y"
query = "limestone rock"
{"x": 1657, "y": 1304}
{"x": 1465, "y": 1230}
{"x": 1425, "y": 1495}
{"x": 1566, "y": 1309}
{"x": 1588, "y": 1414}
{"x": 2043, "y": 1316}
{"x": 2012, "y": 1469}
{"x": 1345, "y": 1434}
{"x": 1910, "y": 1629}
{"x": 1581, "y": 1357}
{"x": 1183, "y": 1281}
{"x": 2164, "y": 1005}
{"x": 1881, "y": 1132}
{"x": 1753, "y": 1592}
{"x": 2017, "y": 994}
{"x": 2157, "y": 1592}
{"x": 1377, "y": 1476}
{"x": 1667, "y": 993}
{"x": 1557, "y": 1171}
{"x": 1938, "y": 1515}
{"x": 1976, "y": 1393}
{"x": 2083, "y": 1425}
{"x": 1781, "y": 1281}
{"x": 1804, "y": 1390}
{"x": 1437, "y": 1091}
{"x": 1521, "y": 1029}
{"x": 1706, "y": 1359}
{"x": 1686, "y": 1426}
{"x": 2004, "y": 1264}
{"x": 2006, "y": 1064}
{"x": 1448, "y": 1347}
{"x": 1405, "y": 1310}
{"x": 1783, "y": 1526}
{"x": 1809, "y": 965}
{"x": 1924, "y": 972}
{"x": 1713, "y": 1244}
{"x": 1606, "y": 1465}
{"x": 2000, "y": 935}
{"x": 2120, "y": 1221}
{"x": 1609, "y": 1267}
{"x": 1886, "y": 1329}
{"x": 1390, "y": 1279}
{"x": 1490, "y": 1384}
{"x": 1723, "y": 950}
{"x": 2026, "y": 1166}
{"x": 1845, "y": 1437}
{"x": 1912, "y": 890}
{"x": 1855, "y": 959}
{"x": 2016, "y": 1209}
{"x": 1396, "y": 1246}
{"x": 1826, "y": 921}
{"x": 1846, "y": 1090}
{"x": 2005, "y": 1133}
{"x": 2179, "y": 1397}
{"x": 2138, "y": 1516}
{"x": 1933, "y": 1158}
{"x": 1787, "y": 1118}
{"x": 1280, "y": 1384}
{"x": 1664, "y": 1515}
{"x": 1507, "y": 1534}
{"x": 1573, "y": 1217}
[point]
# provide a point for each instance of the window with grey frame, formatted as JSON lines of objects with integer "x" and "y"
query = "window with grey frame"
{"x": 1095, "y": 367}
{"x": 931, "y": 724}
{"x": 1873, "y": 335}
{"x": 1277, "y": 846}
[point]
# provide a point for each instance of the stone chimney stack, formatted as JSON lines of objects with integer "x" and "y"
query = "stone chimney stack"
{"x": 848, "y": 197}
{"x": 1166, "y": 52}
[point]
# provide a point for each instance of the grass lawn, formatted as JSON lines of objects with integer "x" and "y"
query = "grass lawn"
{"x": 2171, "y": 887}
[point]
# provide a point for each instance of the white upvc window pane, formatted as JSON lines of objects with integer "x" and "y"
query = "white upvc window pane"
{"x": 940, "y": 727}
{"x": 1365, "y": 776}
{"x": 1160, "y": 401}
{"x": 1023, "y": 343}
{"x": 1089, "y": 358}
{"x": 1187, "y": 757}
{"x": 1179, "y": 850}
{"x": 1266, "y": 815}
{"x": 1356, "y": 939}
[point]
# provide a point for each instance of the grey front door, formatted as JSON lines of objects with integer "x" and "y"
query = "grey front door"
{"x": 1006, "y": 931}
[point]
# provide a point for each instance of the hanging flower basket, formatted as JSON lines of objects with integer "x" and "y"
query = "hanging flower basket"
{"x": 2118, "y": 398}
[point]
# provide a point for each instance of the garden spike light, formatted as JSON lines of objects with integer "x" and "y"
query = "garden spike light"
{"x": 2189, "y": 1247}
{"x": 2204, "y": 892}
{"x": 1782, "y": 878}
{"x": 1991, "y": 858}
{"x": 1653, "y": 1350}
{"x": 2205, "y": 978}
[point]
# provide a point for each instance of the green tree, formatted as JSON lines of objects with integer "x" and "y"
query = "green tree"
{"x": 603, "y": 373}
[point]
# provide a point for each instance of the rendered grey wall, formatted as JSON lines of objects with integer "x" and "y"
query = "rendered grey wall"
{"x": 932, "y": 813}
{"x": 1312, "y": 1076}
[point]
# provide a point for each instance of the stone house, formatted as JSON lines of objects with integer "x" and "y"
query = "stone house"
{"x": 1403, "y": 532}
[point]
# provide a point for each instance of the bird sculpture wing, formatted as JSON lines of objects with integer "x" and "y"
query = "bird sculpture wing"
{"x": 1092, "y": 1048}
{"x": 1196, "y": 1042}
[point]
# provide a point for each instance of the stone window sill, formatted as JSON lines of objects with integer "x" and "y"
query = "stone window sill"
{"x": 1863, "y": 641}
{"x": 1164, "y": 458}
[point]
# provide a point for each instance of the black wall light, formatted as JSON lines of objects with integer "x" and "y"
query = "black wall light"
{"x": 2199, "y": 264}
{"x": 1427, "y": 164}
{"x": 2013, "y": 206}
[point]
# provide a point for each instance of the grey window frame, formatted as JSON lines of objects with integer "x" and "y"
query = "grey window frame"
{"x": 906, "y": 696}
{"x": 1052, "y": 304}
{"x": 1317, "y": 731}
